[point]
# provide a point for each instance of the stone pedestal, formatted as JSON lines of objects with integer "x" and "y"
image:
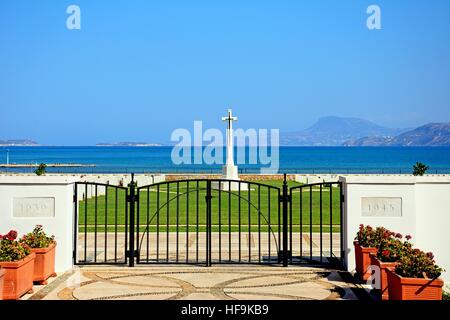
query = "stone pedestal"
{"x": 230, "y": 172}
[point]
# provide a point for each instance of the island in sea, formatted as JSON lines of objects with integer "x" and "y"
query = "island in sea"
{"x": 18, "y": 143}
{"x": 128, "y": 144}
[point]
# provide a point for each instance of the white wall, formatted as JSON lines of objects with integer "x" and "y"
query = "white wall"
{"x": 61, "y": 225}
{"x": 316, "y": 178}
{"x": 425, "y": 212}
{"x": 61, "y": 188}
{"x": 433, "y": 222}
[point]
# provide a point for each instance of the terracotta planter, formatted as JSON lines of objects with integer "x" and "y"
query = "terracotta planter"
{"x": 44, "y": 264}
{"x": 18, "y": 279}
{"x": 401, "y": 288}
{"x": 362, "y": 259}
{"x": 384, "y": 292}
{"x": 2, "y": 276}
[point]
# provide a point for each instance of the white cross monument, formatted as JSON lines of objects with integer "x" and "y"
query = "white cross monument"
{"x": 229, "y": 170}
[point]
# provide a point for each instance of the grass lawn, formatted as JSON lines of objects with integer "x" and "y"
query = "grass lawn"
{"x": 182, "y": 206}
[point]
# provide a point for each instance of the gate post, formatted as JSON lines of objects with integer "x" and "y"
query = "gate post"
{"x": 285, "y": 203}
{"x": 131, "y": 199}
{"x": 208, "y": 223}
{"x": 342, "y": 227}
{"x": 75, "y": 229}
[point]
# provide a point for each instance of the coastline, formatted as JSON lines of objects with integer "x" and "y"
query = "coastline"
{"x": 291, "y": 160}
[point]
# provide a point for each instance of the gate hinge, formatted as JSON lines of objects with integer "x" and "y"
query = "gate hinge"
{"x": 342, "y": 198}
{"x": 135, "y": 198}
{"x": 74, "y": 198}
{"x": 288, "y": 197}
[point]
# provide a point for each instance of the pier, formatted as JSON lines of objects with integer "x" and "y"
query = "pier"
{"x": 49, "y": 165}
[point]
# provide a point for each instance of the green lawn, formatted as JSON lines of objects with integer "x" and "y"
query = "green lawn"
{"x": 183, "y": 207}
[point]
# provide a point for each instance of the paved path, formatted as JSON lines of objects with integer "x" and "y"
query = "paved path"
{"x": 196, "y": 283}
{"x": 182, "y": 247}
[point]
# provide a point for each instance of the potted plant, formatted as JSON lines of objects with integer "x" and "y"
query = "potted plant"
{"x": 2, "y": 275}
{"x": 367, "y": 241}
{"x": 391, "y": 249}
{"x": 415, "y": 277}
{"x": 44, "y": 248}
{"x": 18, "y": 262}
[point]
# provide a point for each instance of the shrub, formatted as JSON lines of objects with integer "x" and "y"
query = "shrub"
{"x": 37, "y": 238}
{"x": 41, "y": 169}
{"x": 418, "y": 264}
{"x": 10, "y": 249}
{"x": 419, "y": 169}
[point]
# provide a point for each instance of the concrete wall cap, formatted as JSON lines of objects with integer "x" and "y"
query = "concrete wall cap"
{"x": 33, "y": 180}
{"x": 394, "y": 179}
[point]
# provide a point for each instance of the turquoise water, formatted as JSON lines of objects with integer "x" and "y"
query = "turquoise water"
{"x": 291, "y": 159}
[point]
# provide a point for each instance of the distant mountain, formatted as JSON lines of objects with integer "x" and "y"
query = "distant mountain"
{"x": 432, "y": 134}
{"x": 127, "y": 144}
{"x": 334, "y": 131}
{"x": 18, "y": 142}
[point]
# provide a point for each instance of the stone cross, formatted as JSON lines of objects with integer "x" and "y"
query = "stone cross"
{"x": 230, "y": 147}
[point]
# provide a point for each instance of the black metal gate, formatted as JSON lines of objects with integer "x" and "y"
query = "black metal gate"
{"x": 208, "y": 221}
{"x": 101, "y": 224}
{"x": 315, "y": 223}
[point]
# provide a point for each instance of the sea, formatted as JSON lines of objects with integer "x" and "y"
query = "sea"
{"x": 159, "y": 159}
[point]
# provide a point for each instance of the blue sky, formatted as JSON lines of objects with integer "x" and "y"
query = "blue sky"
{"x": 139, "y": 69}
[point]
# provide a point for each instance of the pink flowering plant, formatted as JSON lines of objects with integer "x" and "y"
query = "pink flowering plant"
{"x": 369, "y": 237}
{"x": 411, "y": 262}
{"x": 418, "y": 264}
{"x": 11, "y": 249}
{"x": 392, "y": 247}
{"x": 37, "y": 238}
